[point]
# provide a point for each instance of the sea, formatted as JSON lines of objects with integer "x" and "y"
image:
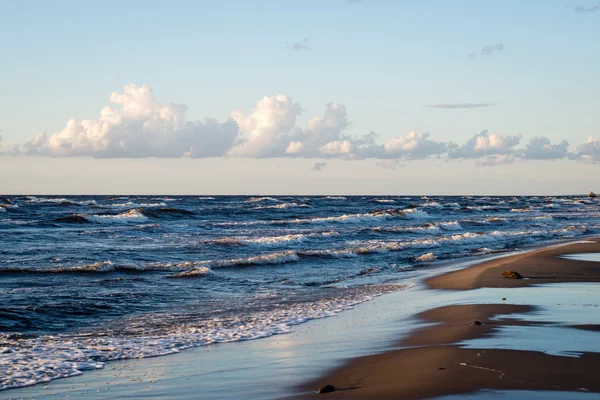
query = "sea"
{"x": 85, "y": 280}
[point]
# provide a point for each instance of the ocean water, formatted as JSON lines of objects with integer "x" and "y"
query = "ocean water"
{"x": 89, "y": 279}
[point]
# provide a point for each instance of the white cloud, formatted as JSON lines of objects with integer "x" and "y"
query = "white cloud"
{"x": 267, "y": 130}
{"x": 540, "y": 148}
{"x": 337, "y": 148}
{"x": 414, "y": 145}
{"x": 589, "y": 151}
{"x": 138, "y": 127}
{"x": 486, "y": 144}
{"x": 294, "y": 147}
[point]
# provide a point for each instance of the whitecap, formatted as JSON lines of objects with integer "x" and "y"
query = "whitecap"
{"x": 257, "y": 199}
{"x": 131, "y": 216}
{"x": 427, "y": 257}
{"x": 42, "y": 359}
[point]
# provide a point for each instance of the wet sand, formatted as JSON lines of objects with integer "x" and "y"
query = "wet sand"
{"x": 540, "y": 266}
{"x": 434, "y": 360}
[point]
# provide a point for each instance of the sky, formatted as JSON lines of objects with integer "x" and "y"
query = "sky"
{"x": 299, "y": 96}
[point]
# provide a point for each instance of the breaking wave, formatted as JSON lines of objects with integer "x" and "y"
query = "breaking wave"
{"x": 133, "y": 216}
{"x": 272, "y": 241}
{"x": 66, "y": 355}
{"x": 280, "y": 206}
{"x": 257, "y": 199}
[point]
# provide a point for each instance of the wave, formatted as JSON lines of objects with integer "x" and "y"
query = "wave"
{"x": 522, "y": 210}
{"x": 257, "y": 199}
{"x": 190, "y": 267}
{"x": 201, "y": 271}
{"x": 136, "y": 215}
{"x": 267, "y": 259}
{"x": 482, "y": 208}
{"x": 166, "y": 211}
{"x": 410, "y": 213}
{"x": 496, "y": 220}
{"x": 102, "y": 266}
{"x": 131, "y": 216}
{"x": 335, "y": 198}
{"x": 59, "y": 201}
{"x": 452, "y": 205}
{"x": 282, "y": 240}
{"x": 432, "y": 204}
{"x": 198, "y": 268}
{"x": 57, "y": 356}
{"x": 450, "y": 226}
{"x": 384, "y": 201}
{"x": 427, "y": 257}
{"x": 435, "y": 227}
{"x": 280, "y": 206}
{"x": 131, "y": 204}
{"x": 74, "y": 218}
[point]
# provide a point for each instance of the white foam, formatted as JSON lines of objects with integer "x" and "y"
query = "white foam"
{"x": 521, "y": 210}
{"x": 103, "y": 266}
{"x": 33, "y": 199}
{"x": 131, "y": 216}
{"x": 452, "y": 205}
{"x": 257, "y": 199}
{"x": 280, "y": 206}
{"x": 284, "y": 239}
{"x": 265, "y": 259}
{"x": 427, "y": 257}
{"x": 432, "y": 204}
{"x": 131, "y": 204}
{"x": 450, "y": 226}
{"x": 410, "y": 213}
{"x": 26, "y": 362}
{"x": 200, "y": 271}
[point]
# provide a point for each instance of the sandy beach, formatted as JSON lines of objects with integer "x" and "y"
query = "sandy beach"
{"x": 413, "y": 343}
{"x": 435, "y": 361}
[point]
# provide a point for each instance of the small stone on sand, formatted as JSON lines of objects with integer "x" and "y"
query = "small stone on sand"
{"x": 512, "y": 274}
{"x": 327, "y": 389}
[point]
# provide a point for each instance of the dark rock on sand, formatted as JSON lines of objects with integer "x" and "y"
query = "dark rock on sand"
{"x": 475, "y": 323}
{"x": 327, "y": 389}
{"x": 512, "y": 274}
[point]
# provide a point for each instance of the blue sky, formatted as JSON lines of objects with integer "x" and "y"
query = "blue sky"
{"x": 384, "y": 61}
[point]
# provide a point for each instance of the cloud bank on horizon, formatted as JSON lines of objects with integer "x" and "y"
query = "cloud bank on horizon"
{"x": 139, "y": 126}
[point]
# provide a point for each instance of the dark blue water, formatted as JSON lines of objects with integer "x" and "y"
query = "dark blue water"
{"x": 89, "y": 279}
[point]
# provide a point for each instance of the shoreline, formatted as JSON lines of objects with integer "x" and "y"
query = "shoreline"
{"x": 436, "y": 360}
{"x": 284, "y": 363}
